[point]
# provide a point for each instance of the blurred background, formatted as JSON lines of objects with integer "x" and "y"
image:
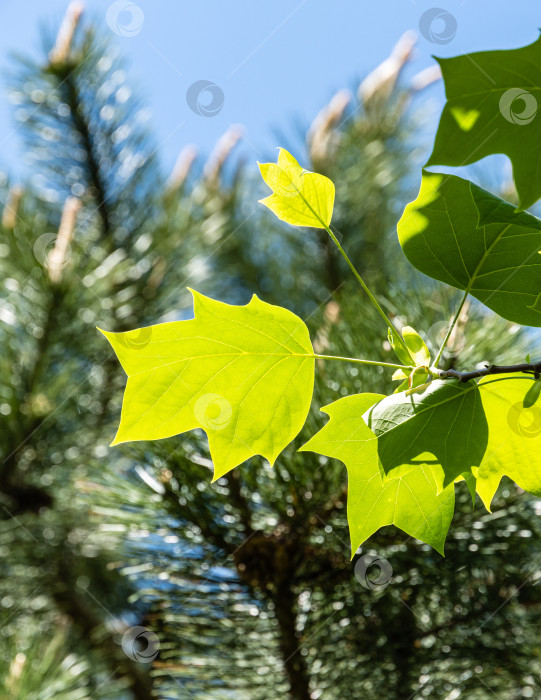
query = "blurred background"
{"x": 129, "y": 139}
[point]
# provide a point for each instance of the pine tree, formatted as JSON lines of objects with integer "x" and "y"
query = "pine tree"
{"x": 247, "y": 582}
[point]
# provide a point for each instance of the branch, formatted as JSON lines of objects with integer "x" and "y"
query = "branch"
{"x": 526, "y": 368}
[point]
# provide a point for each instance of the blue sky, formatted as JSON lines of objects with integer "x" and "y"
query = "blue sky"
{"x": 274, "y": 61}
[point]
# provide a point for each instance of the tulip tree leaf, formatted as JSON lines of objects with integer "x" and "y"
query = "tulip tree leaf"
{"x": 445, "y": 420}
{"x": 410, "y": 501}
{"x": 300, "y": 198}
{"x": 460, "y": 234}
{"x": 244, "y": 374}
{"x": 416, "y": 345}
{"x": 492, "y": 106}
{"x": 532, "y": 395}
{"x": 411, "y": 382}
{"x": 400, "y": 351}
{"x": 514, "y": 436}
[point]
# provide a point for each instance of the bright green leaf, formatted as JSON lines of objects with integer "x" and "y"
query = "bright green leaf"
{"x": 416, "y": 345}
{"x": 244, "y": 374}
{"x": 410, "y": 502}
{"x": 429, "y": 460}
{"x": 460, "y": 234}
{"x": 514, "y": 436}
{"x": 300, "y": 198}
{"x": 445, "y": 420}
{"x": 532, "y": 395}
{"x": 402, "y": 387}
{"x": 398, "y": 348}
{"x": 412, "y": 381}
{"x": 470, "y": 479}
{"x": 493, "y": 107}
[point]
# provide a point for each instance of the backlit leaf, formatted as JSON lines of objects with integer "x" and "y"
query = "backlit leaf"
{"x": 460, "y": 234}
{"x": 493, "y": 107}
{"x": 532, "y": 395}
{"x": 300, "y": 198}
{"x": 244, "y": 374}
{"x": 514, "y": 437}
{"x": 397, "y": 347}
{"x": 445, "y": 420}
{"x": 416, "y": 345}
{"x": 410, "y": 501}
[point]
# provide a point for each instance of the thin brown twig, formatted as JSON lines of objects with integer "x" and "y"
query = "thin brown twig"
{"x": 526, "y": 368}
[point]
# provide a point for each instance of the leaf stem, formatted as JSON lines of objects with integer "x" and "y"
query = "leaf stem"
{"x": 453, "y": 324}
{"x": 364, "y": 362}
{"x": 367, "y": 290}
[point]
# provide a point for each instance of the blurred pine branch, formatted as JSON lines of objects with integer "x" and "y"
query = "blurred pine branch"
{"x": 247, "y": 582}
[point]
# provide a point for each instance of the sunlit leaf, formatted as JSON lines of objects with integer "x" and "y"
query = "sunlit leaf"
{"x": 410, "y": 502}
{"x": 416, "y": 345}
{"x": 532, "y": 395}
{"x": 445, "y": 420}
{"x": 398, "y": 347}
{"x": 300, "y": 198}
{"x": 244, "y": 374}
{"x": 460, "y": 234}
{"x": 493, "y": 107}
{"x": 514, "y": 437}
